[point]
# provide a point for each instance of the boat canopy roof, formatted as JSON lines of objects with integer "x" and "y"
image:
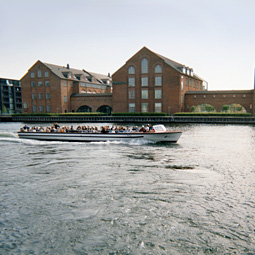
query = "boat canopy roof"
{"x": 158, "y": 128}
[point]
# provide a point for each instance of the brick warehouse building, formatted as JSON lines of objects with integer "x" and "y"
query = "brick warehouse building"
{"x": 149, "y": 82}
{"x": 52, "y": 88}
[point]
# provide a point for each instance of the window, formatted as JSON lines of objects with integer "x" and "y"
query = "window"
{"x": 47, "y": 95}
{"x": 33, "y": 84}
{"x": 145, "y": 107}
{"x": 131, "y": 94}
{"x": 158, "y": 107}
{"x": 131, "y": 70}
{"x": 40, "y": 95}
{"x": 145, "y": 94}
{"x": 186, "y": 81}
{"x": 181, "y": 99}
{"x": 64, "y": 83}
{"x": 41, "y": 108}
{"x": 144, "y": 81}
{"x": 158, "y": 93}
{"x": 34, "y": 108}
{"x": 40, "y": 84}
{"x": 34, "y": 96}
{"x": 131, "y": 107}
{"x": 47, "y": 83}
{"x": 131, "y": 82}
{"x": 69, "y": 75}
{"x": 32, "y": 75}
{"x": 181, "y": 85}
{"x": 65, "y": 99}
{"x": 71, "y": 84}
{"x": 190, "y": 82}
{"x": 158, "y": 81}
{"x": 46, "y": 74}
{"x": 194, "y": 84}
{"x": 39, "y": 73}
{"x": 144, "y": 65}
{"x": 158, "y": 69}
{"x": 48, "y": 108}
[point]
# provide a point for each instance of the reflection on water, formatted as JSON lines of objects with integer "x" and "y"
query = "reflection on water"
{"x": 194, "y": 197}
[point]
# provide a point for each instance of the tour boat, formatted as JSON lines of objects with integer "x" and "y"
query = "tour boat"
{"x": 159, "y": 134}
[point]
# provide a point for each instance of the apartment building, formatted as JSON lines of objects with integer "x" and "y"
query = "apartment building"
{"x": 10, "y": 96}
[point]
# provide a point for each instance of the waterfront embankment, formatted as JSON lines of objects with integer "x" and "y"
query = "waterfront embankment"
{"x": 137, "y": 119}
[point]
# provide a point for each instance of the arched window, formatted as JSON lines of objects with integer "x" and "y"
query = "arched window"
{"x": 131, "y": 70}
{"x": 144, "y": 65}
{"x": 158, "y": 69}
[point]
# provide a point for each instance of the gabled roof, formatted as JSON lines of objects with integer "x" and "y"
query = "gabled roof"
{"x": 175, "y": 65}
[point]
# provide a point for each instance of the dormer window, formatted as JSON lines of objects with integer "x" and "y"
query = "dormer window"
{"x": 69, "y": 75}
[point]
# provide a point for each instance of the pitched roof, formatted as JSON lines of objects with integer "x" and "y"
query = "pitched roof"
{"x": 61, "y": 72}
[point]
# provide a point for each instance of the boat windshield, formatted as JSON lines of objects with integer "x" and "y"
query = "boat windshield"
{"x": 158, "y": 128}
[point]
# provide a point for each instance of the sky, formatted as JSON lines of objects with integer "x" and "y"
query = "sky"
{"x": 215, "y": 38}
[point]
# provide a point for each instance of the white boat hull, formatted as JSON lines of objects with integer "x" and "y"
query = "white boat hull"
{"x": 166, "y": 136}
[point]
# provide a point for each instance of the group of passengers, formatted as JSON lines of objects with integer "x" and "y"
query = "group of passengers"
{"x": 87, "y": 129}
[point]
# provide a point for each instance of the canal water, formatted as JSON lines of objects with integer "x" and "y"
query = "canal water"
{"x": 193, "y": 197}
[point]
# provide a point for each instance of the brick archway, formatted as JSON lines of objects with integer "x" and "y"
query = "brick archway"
{"x": 219, "y": 98}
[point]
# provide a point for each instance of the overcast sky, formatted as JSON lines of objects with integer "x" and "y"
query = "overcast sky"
{"x": 215, "y": 38}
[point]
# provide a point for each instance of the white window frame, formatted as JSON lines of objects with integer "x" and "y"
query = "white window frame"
{"x": 144, "y": 65}
{"x": 131, "y": 70}
{"x": 144, "y": 81}
{"x": 144, "y": 93}
{"x": 158, "y": 93}
{"x": 131, "y": 94}
{"x": 131, "y": 81}
{"x": 158, "y": 81}
{"x": 144, "y": 107}
{"x": 131, "y": 107}
{"x": 158, "y": 107}
{"x": 158, "y": 69}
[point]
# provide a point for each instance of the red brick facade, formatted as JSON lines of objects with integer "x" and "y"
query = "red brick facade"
{"x": 219, "y": 98}
{"x": 147, "y": 82}
{"x": 158, "y": 86}
{"x": 48, "y": 88}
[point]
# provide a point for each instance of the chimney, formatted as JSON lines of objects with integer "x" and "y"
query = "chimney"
{"x": 67, "y": 66}
{"x": 109, "y": 75}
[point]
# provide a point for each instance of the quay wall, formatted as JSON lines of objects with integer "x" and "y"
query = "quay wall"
{"x": 138, "y": 119}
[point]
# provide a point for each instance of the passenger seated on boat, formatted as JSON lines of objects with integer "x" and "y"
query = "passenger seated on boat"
{"x": 104, "y": 130}
{"x": 26, "y": 128}
{"x": 142, "y": 129}
{"x": 56, "y": 126}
